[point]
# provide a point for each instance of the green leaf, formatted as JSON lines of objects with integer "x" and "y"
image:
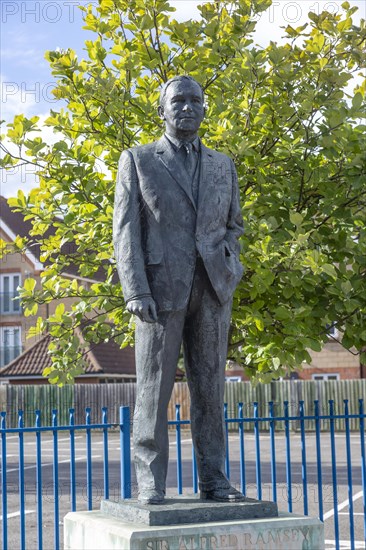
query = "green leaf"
{"x": 259, "y": 324}
{"x": 29, "y": 284}
{"x": 357, "y": 100}
{"x": 344, "y": 25}
{"x": 296, "y": 218}
{"x": 329, "y": 269}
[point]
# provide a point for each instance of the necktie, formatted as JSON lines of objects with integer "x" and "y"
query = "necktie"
{"x": 190, "y": 160}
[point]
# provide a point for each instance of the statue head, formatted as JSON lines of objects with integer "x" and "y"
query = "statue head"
{"x": 182, "y": 106}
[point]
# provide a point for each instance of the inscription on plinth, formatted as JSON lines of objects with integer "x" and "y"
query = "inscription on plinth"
{"x": 267, "y": 539}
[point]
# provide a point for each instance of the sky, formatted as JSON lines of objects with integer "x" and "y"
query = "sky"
{"x": 29, "y": 28}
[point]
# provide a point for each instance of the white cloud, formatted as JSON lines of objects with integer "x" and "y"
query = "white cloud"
{"x": 185, "y": 9}
{"x": 24, "y": 177}
{"x": 280, "y": 14}
{"x": 24, "y": 96}
{"x": 283, "y": 13}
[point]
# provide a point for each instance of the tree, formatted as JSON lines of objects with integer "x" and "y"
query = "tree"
{"x": 284, "y": 113}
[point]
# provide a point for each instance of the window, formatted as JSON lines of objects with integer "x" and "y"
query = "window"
{"x": 326, "y": 376}
{"x": 233, "y": 378}
{"x": 10, "y": 344}
{"x": 9, "y": 301}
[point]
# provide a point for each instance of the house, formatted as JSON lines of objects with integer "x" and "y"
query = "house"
{"x": 26, "y": 357}
{"x": 14, "y": 269}
{"x": 334, "y": 362}
{"x": 105, "y": 362}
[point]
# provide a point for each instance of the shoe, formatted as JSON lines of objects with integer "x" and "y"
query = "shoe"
{"x": 151, "y": 497}
{"x": 220, "y": 494}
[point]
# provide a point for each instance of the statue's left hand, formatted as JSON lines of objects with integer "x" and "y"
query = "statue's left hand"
{"x": 144, "y": 308}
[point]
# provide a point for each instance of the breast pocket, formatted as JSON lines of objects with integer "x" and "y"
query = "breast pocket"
{"x": 154, "y": 257}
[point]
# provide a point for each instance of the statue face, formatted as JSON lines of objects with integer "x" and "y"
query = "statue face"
{"x": 183, "y": 109}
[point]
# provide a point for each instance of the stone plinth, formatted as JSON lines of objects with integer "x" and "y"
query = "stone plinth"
{"x": 184, "y": 510}
{"x": 98, "y": 531}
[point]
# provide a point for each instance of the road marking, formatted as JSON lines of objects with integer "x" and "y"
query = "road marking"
{"x": 347, "y": 514}
{"x": 16, "y": 514}
{"x": 345, "y": 544}
{"x": 174, "y": 443}
{"x": 342, "y": 505}
{"x": 51, "y": 463}
{"x": 50, "y": 441}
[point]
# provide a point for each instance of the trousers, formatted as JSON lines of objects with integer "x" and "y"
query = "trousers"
{"x": 203, "y": 328}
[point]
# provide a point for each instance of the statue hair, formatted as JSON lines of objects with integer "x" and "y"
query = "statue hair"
{"x": 177, "y": 79}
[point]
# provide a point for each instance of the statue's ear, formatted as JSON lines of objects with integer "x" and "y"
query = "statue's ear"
{"x": 161, "y": 112}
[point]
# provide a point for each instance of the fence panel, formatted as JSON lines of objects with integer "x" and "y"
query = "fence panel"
{"x": 97, "y": 396}
{"x": 29, "y": 398}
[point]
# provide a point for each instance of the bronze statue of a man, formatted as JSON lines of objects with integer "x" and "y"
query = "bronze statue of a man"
{"x": 177, "y": 222}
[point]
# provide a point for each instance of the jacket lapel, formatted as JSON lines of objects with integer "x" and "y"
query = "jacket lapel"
{"x": 206, "y": 174}
{"x": 167, "y": 157}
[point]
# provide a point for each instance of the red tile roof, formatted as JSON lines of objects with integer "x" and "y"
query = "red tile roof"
{"x": 102, "y": 359}
{"x": 106, "y": 359}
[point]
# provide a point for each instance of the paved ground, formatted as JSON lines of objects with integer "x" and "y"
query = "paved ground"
{"x": 297, "y": 489}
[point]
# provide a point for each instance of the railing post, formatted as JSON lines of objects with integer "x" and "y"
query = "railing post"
{"x": 179, "y": 449}
{"x": 241, "y": 446}
{"x": 288, "y": 458}
{"x": 55, "y": 480}
{"x": 3, "y": 480}
{"x": 303, "y": 458}
{"x": 39, "y": 479}
{"x": 334, "y": 473}
{"x": 105, "y": 453}
{"x": 363, "y": 461}
{"x": 349, "y": 474}
{"x": 194, "y": 471}
{"x": 257, "y": 451}
{"x": 125, "y": 444}
{"x": 89, "y": 486}
{"x": 319, "y": 459}
{"x": 21, "y": 480}
{"x": 227, "y": 456}
{"x": 273, "y": 452}
{"x": 72, "y": 460}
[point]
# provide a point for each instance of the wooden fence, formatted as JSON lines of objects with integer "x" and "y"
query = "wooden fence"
{"x": 29, "y": 398}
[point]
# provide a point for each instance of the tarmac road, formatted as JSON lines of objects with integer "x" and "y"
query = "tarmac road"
{"x": 64, "y": 501}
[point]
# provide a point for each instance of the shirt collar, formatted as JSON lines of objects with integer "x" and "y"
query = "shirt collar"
{"x": 177, "y": 143}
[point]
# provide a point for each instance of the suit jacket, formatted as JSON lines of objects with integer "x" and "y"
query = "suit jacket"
{"x": 158, "y": 228}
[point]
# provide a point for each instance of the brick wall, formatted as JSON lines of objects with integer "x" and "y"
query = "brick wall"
{"x": 332, "y": 359}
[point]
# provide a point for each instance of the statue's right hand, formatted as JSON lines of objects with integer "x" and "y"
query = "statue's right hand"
{"x": 144, "y": 308}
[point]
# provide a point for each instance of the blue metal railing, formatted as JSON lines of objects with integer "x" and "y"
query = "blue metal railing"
{"x": 254, "y": 419}
{"x": 54, "y": 430}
